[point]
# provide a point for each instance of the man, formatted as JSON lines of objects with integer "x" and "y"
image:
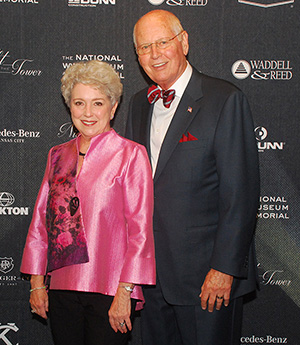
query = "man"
{"x": 206, "y": 185}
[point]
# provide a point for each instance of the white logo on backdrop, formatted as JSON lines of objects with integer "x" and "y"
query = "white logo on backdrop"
{"x": 6, "y": 200}
{"x": 6, "y": 265}
{"x": 273, "y": 207}
{"x": 22, "y": 67}
{"x": 241, "y": 69}
{"x": 4, "y": 329}
{"x": 273, "y": 277}
{"x": 268, "y": 339}
{"x": 262, "y": 69}
{"x": 21, "y": 1}
{"x": 261, "y": 134}
{"x": 66, "y": 129}
{"x": 266, "y": 4}
{"x": 179, "y": 2}
{"x": 90, "y": 3}
{"x": 156, "y": 2}
{"x": 114, "y": 60}
{"x": 17, "y": 136}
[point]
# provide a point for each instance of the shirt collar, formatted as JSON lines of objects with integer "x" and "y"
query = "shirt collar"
{"x": 181, "y": 83}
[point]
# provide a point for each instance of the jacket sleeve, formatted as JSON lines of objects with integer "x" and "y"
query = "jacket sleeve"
{"x": 129, "y": 129}
{"x": 34, "y": 259}
{"x": 237, "y": 167}
{"x": 139, "y": 263}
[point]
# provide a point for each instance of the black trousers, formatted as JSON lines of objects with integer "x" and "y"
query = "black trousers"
{"x": 166, "y": 324}
{"x": 81, "y": 318}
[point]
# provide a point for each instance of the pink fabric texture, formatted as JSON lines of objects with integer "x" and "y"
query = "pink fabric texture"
{"x": 66, "y": 237}
{"x": 115, "y": 191}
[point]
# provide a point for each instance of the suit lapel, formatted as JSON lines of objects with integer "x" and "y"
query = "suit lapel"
{"x": 184, "y": 115}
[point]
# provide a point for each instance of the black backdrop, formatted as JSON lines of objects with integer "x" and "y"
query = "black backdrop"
{"x": 254, "y": 44}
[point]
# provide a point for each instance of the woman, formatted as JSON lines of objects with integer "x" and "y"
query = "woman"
{"x": 91, "y": 229}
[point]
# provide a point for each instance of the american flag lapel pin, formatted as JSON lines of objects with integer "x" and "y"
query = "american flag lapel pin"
{"x": 190, "y": 109}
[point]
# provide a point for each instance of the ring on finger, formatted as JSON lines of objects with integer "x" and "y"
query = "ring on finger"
{"x": 122, "y": 324}
{"x": 218, "y": 297}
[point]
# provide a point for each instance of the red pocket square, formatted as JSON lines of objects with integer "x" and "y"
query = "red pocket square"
{"x": 188, "y": 137}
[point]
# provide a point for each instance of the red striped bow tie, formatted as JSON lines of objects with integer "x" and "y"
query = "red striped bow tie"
{"x": 154, "y": 93}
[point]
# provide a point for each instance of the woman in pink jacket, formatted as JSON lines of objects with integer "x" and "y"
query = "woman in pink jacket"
{"x": 91, "y": 230}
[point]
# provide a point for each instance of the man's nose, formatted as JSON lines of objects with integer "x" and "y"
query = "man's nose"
{"x": 155, "y": 52}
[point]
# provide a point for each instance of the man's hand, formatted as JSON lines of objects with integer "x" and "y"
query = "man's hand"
{"x": 215, "y": 290}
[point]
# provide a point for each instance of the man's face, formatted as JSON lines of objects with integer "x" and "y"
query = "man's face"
{"x": 163, "y": 66}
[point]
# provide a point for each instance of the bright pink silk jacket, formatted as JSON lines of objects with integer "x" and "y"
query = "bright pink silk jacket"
{"x": 115, "y": 190}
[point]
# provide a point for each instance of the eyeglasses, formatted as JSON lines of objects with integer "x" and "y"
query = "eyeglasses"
{"x": 161, "y": 44}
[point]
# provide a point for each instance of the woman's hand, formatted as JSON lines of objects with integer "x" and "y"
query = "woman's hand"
{"x": 38, "y": 298}
{"x": 119, "y": 312}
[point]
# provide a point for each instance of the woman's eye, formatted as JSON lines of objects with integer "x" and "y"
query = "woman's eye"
{"x": 98, "y": 103}
{"x": 78, "y": 103}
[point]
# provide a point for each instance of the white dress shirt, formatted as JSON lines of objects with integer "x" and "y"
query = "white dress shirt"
{"x": 162, "y": 116}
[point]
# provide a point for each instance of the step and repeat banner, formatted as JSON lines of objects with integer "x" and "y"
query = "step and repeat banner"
{"x": 253, "y": 44}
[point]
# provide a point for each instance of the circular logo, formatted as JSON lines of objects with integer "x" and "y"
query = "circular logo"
{"x": 260, "y": 133}
{"x": 241, "y": 69}
{"x": 6, "y": 199}
{"x": 6, "y": 265}
{"x": 156, "y": 2}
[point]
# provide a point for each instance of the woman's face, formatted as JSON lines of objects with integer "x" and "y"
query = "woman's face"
{"x": 91, "y": 110}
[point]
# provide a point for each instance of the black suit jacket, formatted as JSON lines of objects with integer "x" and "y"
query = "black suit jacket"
{"x": 206, "y": 190}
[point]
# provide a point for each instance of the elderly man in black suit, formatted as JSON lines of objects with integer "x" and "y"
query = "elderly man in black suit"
{"x": 199, "y": 135}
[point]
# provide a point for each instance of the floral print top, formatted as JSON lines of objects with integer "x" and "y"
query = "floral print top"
{"x": 66, "y": 236}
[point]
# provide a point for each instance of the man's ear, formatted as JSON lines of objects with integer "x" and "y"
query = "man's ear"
{"x": 185, "y": 42}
